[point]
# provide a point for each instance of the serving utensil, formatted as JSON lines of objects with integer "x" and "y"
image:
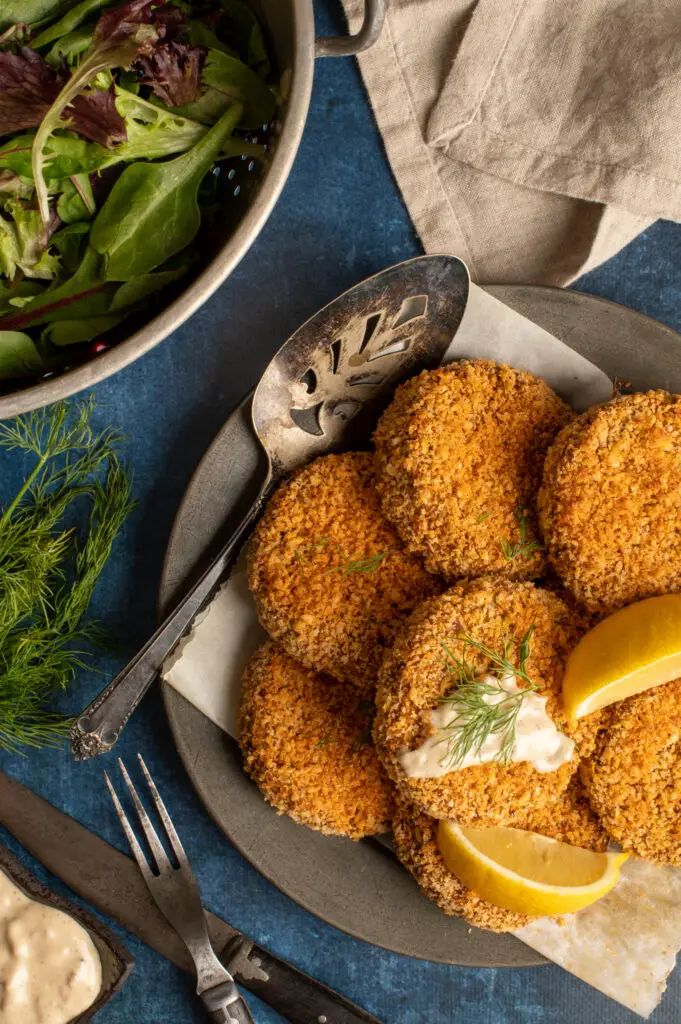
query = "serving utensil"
{"x": 112, "y": 883}
{"x": 177, "y": 896}
{"x": 322, "y": 391}
{"x": 289, "y": 25}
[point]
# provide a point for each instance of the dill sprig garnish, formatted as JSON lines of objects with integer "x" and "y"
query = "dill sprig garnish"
{"x": 365, "y": 564}
{"x": 301, "y": 555}
{"x": 48, "y": 568}
{"x": 524, "y": 547}
{"x": 475, "y": 720}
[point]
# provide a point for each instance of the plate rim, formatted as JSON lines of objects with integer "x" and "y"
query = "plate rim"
{"x": 172, "y": 700}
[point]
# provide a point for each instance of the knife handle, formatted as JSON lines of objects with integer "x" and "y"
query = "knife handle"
{"x": 235, "y": 1013}
{"x": 296, "y": 996}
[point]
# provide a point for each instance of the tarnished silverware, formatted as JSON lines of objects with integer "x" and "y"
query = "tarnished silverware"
{"x": 177, "y": 896}
{"x": 322, "y": 390}
{"x": 290, "y": 29}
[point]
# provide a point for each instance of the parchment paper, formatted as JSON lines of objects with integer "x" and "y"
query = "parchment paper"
{"x": 626, "y": 944}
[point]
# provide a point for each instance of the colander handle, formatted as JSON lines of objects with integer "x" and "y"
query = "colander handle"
{"x": 346, "y": 46}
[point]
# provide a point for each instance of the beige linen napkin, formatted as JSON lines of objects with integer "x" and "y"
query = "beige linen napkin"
{"x": 534, "y": 138}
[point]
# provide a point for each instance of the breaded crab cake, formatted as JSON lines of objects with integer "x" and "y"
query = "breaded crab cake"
{"x": 415, "y": 839}
{"x": 330, "y": 577}
{"x": 610, "y": 501}
{"x": 306, "y": 743}
{"x": 459, "y": 455}
{"x": 421, "y": 669}
{"x": 633, "y": 779}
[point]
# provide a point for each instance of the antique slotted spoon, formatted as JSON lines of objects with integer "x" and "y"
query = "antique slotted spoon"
{"x": 322, "y": 391}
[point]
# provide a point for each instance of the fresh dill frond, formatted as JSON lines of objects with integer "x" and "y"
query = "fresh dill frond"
{"x": 476, "y": 719}
{"x": 365, "y": 564}
{"x": 49, "y": 567}
{"x": 302, "y": 554}
{"x": 484, "y": 516}
{"x": 523, "y": 547}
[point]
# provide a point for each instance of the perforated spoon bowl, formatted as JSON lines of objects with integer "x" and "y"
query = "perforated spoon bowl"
{"x": 321, "y": 392}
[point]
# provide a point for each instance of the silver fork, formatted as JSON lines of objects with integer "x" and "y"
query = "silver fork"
{"x": 177, "y": 896}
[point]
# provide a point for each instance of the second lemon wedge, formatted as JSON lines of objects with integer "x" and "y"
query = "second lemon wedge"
{"x": 526, "y": 872}
{"x": 630, "y": 651}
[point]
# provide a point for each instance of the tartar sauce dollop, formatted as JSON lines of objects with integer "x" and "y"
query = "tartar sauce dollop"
{"x": 50, "y": 970}
{"x": 537, "y": 739}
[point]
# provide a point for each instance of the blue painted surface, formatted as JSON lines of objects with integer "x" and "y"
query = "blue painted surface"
{"x": 339, "y": 219}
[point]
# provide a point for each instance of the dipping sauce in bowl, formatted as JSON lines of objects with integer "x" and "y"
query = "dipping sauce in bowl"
{"x": 50, "y": 969}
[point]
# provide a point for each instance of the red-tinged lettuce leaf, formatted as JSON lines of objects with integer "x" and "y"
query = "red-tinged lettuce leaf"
{"x": 28, "y": 87}
{"x": 121, "y": 35}
{"x": 122, "y": 23}
{"x": 94, "y": 115}
{"x": 85, "y": 293}
{"x": 173, "y": 70}
{"x": 170, "y": 22}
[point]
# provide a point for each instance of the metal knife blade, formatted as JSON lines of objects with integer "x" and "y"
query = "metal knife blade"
{"x": 111, "y": 882}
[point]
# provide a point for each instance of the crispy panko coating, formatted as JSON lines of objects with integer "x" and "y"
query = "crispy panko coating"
{"x": 633, "y": 779}
{"x": 306, "y": 743}
{"x": 459, "y": 455}
{"x": 330, "y": 577}
{"x": 570, "y": 820}
{"x": 610, "y": 501}
{"x": 415, "y": 841}
{"x": 416, "y": 674}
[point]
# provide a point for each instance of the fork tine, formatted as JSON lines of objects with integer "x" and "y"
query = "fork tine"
{"x": 173, "y": 837}
{"x": 137, "y": 850}
{"x": 160, "y": 856}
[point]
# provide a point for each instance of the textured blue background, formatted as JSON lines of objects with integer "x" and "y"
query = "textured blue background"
{"x": 339, "y": 219}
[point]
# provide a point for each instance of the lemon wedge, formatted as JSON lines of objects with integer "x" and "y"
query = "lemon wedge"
{"x": 630, "y": 651}
{"x": 525, "y": 872}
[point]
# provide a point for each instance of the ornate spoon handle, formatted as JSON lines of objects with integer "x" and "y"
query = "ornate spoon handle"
{"x": 99, "y": 726}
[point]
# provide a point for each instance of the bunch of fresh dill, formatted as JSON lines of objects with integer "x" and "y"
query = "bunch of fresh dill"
{"x": 48, "y": 567}
{"x": 475, "y": 718}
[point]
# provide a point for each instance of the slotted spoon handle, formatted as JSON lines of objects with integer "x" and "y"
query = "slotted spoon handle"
{"x": 100, "y": 725}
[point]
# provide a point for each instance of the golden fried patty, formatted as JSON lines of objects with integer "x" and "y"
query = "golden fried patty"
{"x": 306, "y": 742}
{"x": 459, "y": 455}
{"x": 610, "y": 501}
{"x": 633, "y": 779}
{"x": 415, "y": 837}
{"x": 415, "y": 841}
{"x": 418, "y": 672}
{"x": 329, "y": 575}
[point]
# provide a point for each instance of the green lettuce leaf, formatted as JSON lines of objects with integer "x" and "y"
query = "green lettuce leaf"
{"x": 19, "y": 356}
{"x": 23, "y": 243}
{"x": 227, "y": 81}
{"x": 152, "y": 211}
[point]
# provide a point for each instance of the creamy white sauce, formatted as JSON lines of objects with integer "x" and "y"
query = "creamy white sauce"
{"x": 50, "y": 970}
{"x": 537, "y": 739}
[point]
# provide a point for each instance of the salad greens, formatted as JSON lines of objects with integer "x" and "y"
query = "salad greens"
{"x": 113, "y": 118}
{"x": 152, "y": 211}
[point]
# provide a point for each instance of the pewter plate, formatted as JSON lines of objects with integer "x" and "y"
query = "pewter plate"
{"x": 360, "y": 887}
